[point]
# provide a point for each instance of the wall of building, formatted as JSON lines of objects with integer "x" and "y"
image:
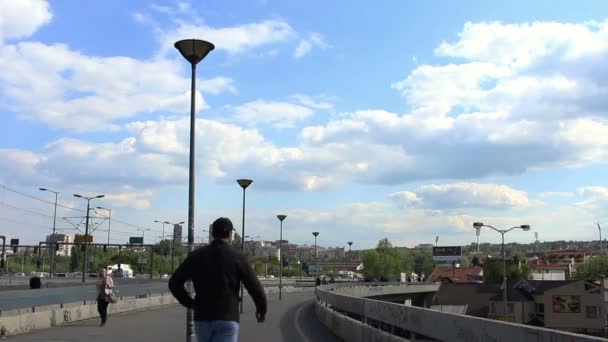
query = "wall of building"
{"x": 541, "y": 274}
{"x": 573, "y": 320}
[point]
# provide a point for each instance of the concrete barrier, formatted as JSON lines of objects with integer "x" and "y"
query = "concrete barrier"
{"x": 351, "y": 330}
{"x": 22, "y": 321}
{"x": 430, "y": 323}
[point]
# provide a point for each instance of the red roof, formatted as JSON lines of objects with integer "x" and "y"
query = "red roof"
{"x": 460, "y": 274}
{"x": 542, "y": 265}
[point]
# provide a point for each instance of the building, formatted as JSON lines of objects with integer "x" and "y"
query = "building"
{"x": 177, "y": 233}
{"x": 457, "y": 274}
{"x": 569, "y": 305}
{"x": 63, "y": 250}
{"x": 428, "y": 246}
{"x": 541, "y": 270}
{"x": 331, "y": 253}
{"x": 267, "y": 251}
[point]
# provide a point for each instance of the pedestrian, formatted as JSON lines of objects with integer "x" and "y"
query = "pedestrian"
{"x": 105, "y": 287}
{"x": 216, "y": 272}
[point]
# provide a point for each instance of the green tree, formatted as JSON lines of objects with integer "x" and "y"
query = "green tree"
{"x": 385, "y": 262}
{"x": 493, "y": 272}
{"x": 594, "y": 267}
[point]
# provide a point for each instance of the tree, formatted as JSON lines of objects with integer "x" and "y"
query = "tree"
{"x": 385, "y": 262}
{"x": 593, "y": 268}
{"x": 493, "y": 272}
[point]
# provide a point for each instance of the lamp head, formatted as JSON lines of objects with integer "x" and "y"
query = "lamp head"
{"x": 350, "y": 243}
{"x": 100, "y": 196}
{"x": 477, "y": 225}
{"x": 525, "y": 227}
{"x": 281, "y": 217}
{"x": 315, "y": 234}
{"x": 77, "y": 195}
{"x": 194, "y": 50}
{"x": 42, "y": 189}
{"x": 244, "y": 183}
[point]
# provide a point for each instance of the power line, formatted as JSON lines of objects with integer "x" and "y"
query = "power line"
{"x": 37, "y": 198}
{"x": 3, "y": 186}
{"x": 25, "y": 210}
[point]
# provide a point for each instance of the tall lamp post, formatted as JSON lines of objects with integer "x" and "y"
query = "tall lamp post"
{"x": 173, "y": 243}
{"x": 350, "y": 245}
{"x": 193, "y": 50}
{"x": 53, "y": 240}
{"x": 502, "y": 232}
{"x": 244, "y": 183}
{"x": 600, "y": 230}
{"x": 477, "y": 231}
{"x": 109, "y": 227}
{"x": 86, "y": 234}
{"x": 162, "y": 260}
{"x": 281, "y": 218}
{"x": 316, "y": 263}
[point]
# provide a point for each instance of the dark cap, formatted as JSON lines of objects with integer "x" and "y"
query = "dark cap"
{"x": 221, "y": 227}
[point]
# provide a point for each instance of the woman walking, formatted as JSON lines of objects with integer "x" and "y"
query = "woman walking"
{"x": 105, "y": 285}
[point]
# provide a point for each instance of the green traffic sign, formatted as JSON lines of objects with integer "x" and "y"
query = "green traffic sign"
{"x": 136, "y": 240}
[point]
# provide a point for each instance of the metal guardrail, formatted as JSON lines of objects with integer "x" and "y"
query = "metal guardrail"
{"x": 430, "y": 323}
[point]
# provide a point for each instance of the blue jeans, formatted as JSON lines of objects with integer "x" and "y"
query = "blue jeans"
{"x": 217, "y": 331}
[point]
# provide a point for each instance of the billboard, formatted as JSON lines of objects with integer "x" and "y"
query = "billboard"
{"x": 79, "y": 238}
{"x": 447, "y": 253}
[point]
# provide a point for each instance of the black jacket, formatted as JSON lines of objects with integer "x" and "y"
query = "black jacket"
{"x": 216, "y": 271}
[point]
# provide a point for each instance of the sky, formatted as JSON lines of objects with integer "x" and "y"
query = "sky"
{"x": 361, "y": 120}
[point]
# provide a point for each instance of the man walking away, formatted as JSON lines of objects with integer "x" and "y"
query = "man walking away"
{"x": 217, "y": 271}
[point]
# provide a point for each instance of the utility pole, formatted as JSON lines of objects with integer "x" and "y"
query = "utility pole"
{"x": 600, "y": 229}
{"x": 54, "y": 238}
{"x": 86, "y": 235}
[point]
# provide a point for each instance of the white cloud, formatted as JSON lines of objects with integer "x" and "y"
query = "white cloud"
{"x": 463, "y": 195}
{"x": 84, "y": 93}
{"x": 306, "y": 45}
{"x": 309, "y": 101}
{"x": 278, "y": 114}
{"x": 130, "y": 198}
{"x": 22, "y": 18}
{"x": 555, "y": 194}
{"x": 235, "y": 39}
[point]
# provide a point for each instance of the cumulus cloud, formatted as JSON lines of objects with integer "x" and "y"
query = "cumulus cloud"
{"x": 235, "y": 39}
{"x": 278, "y": 114}
{"x": 22, "y": 18}
{"x": 83, "y": 93}
{"x": 130, "y": 198}
{"x": 463, "y": 195}
{"x": 306, "y": 45}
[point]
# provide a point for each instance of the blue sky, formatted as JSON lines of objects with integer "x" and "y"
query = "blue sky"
{"x": 359, "y": 120}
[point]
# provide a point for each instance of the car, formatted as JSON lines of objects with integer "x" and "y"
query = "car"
{"x": 20, "y": 274}
{"x": 165, "y": 276}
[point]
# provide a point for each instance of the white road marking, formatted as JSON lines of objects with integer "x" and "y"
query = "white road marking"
{"x": 297, "y": 323}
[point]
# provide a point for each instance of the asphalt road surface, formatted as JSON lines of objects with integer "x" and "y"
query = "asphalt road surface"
{"x": 16, "y": 299}
{"x": 292, "y": 319}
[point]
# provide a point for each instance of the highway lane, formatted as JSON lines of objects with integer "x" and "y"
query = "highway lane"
{"x": 23, "y": 298}
{"x": 15, "y": 299}
{"x": 291, "y": 319}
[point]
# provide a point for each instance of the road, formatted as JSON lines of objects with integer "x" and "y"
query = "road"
{"x": 24, "y": 298}
{"x": 291, "y": 319}
{"x": 15, "y": 299}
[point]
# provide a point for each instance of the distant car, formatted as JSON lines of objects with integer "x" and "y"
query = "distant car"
{"x": 20, "y": 274}
{"x": 61, "y": 275}
{"x": 270, "y": 277}
{"x": 165, "y": 276}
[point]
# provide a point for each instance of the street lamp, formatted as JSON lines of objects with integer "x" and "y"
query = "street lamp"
{"x": 600, "y": 230}
{"x": 244, "y": 183}
{"x": 53, "y": 240}
{"x": 193, "y": 50}
{"x": 436, "y": 240}
{"x": 86, "y": 234}
{"x": 162, "y": 261}
{"x": 281, "y": 218}
{"x": 173, "y": 243}
{"x": 350, "y": 245}
{"x": 502, "y": 232}
{"x": 316, "y": 262}
{"x": 477, "y": 231}
{"x": 143, "y": 234}
{"x": 109, "y": 227}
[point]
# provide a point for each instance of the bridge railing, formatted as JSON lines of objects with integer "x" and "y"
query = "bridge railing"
{"x": 396, "y": 319}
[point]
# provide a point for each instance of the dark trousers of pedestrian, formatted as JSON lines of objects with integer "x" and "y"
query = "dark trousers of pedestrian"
{"x": 102, "y": 308}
